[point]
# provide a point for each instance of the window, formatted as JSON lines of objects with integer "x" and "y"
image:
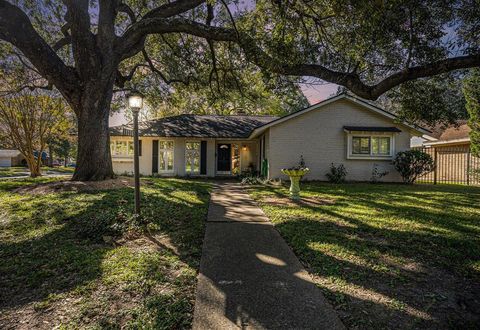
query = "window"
{"x": 365, "y": 146}
{"x": 360, "y": 145}
{"x": 165, "y": 156}
{"x": 381, "y": 146}
{"x": 121, "y": 148}
{"x": 192, "y": 157}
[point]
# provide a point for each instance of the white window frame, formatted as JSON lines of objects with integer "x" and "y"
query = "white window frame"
{"x": 166, "y": 151}
{"x": 113, "y": 150}
{"x": 187, "y": 152}
{"x": 351, "y": 155}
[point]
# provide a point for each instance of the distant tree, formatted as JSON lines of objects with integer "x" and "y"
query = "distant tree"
{"x": 471, "y": 90}
{"x": 61, "y": 146}
{"x": 430, "y": 101}
{"x": 28, "y": 121}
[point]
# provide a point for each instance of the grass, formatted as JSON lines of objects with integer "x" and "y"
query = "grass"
{"x": 20, "y": 170}
{"x": 387, "y": 256}
{"x": 80, "y": 260}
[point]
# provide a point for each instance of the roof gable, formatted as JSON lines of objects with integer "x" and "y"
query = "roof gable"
{"x": 364, "y": 104}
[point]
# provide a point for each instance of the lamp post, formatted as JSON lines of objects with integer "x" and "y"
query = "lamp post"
{"x": 135, "y": 102}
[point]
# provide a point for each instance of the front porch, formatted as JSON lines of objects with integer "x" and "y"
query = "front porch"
{"x": 192, "y": 157}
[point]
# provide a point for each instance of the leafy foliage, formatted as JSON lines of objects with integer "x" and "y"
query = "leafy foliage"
{"x": 433, "y": 101}
{"x": 413, "y": 163}
{"x": 471, "y": 89}
{"x": 337, "y": 173}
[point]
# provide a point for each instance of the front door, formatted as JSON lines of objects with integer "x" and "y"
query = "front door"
{"x": 224, "y": 160}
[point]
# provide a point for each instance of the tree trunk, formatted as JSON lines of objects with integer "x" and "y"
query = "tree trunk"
{"x": 94, "y": 162}
{"x": 33, "y": 166}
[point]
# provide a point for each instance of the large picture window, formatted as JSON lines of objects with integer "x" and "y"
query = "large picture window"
{"x": 192, "y": 158}
{"x": 165, "y": 156}
{"x": 374, "y": 146}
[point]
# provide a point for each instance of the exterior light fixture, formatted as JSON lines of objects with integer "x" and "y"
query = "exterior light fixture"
{"x": 135, "y": 102}
{"x": 244, "y": 147}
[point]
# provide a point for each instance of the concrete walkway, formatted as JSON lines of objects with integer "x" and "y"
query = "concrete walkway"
{"x": 249, "y": 278}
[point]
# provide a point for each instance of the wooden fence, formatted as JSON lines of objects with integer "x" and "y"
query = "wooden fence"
{"x": 453, "y": 164}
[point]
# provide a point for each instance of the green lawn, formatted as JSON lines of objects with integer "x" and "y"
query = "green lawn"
{"x": 79, "y": 260}
{"x": 387, "y": 256}
{"x": 20, "y": 170}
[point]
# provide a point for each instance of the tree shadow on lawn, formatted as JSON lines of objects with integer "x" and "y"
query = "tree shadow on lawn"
{"x": 386, "y": 276}
{"x": 69, "y": 256}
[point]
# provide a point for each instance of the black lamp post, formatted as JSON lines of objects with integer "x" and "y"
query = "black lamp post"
{"x": 135, "y": 102}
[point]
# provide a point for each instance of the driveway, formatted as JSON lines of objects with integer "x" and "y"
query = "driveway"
{"x": 249, "y": 277}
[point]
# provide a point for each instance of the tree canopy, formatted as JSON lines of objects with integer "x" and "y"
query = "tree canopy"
{"x": 90, "y": 49}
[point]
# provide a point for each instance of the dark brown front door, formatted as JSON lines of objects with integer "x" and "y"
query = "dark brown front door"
{"x": 224, "y": 157}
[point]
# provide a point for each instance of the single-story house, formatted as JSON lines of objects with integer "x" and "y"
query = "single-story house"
{"x": 341, "y": 130}
{"x": 9, "y": 157}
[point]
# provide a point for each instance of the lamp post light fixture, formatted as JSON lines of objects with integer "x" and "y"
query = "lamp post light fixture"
{"x": 135, "y": 102}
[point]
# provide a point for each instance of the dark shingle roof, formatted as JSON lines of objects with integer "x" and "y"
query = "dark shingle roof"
{"x": 371, "y": 129}
{"x": 197, "y": 126}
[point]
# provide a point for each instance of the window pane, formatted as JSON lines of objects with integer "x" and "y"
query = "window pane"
{"x": 170, "y": 161}
{"x": 384, "y": 146}
{"x": 192, "y": 157}
{"x": 130, "y": 148}
{"x": 365, "y": 145}
{"x": 375, "y": 145}
{"x": 161, "y": 165}
{"x": 360, "y": 145}
{"x": 170, "y": 145}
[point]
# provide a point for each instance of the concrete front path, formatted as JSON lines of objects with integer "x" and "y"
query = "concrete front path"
{"x": 249, "y": 278}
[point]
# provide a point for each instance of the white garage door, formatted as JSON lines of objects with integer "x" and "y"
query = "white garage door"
{"x": 5, "y": 161}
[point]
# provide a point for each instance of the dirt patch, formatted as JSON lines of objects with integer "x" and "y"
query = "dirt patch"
{"x": 304, "y": 201}
{"x": 76, "y": 186}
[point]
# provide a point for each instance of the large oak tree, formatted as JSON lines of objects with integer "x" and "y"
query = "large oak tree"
{"x": 368, "y": 47}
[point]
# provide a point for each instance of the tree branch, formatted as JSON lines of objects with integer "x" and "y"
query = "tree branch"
{"x": 124, "y": 8}
{"x": 152, "y": 67}
{"x": 173, "y": 8}
{"x": 83, "y": 40}
{"x": 15, "y": 28}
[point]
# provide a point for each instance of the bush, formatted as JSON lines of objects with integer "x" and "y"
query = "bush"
{"x": 377, "y": 174}
{"x": 413, "y": 163}
{"x": 337, "y": 174}
{"x": 253, "y": 180}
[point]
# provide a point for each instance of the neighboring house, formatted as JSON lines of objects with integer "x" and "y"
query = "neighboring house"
{"x": 341, "y": 130}
{"x": 10, "y": 158}
{"x": 450, "y": 148}
{"x": 456, "y": 135}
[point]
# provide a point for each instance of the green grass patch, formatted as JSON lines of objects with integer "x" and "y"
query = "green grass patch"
{"x": 6, "y": 172}
{"x": 80, "y": 259}
{"x": 386, "y": 254}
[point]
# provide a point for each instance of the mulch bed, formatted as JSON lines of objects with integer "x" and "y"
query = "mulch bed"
{"x": 76, "y": 186}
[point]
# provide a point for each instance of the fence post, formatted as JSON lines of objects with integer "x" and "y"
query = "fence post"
{"x": 468, "y": 166}
{"x": 436, "y": 165}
